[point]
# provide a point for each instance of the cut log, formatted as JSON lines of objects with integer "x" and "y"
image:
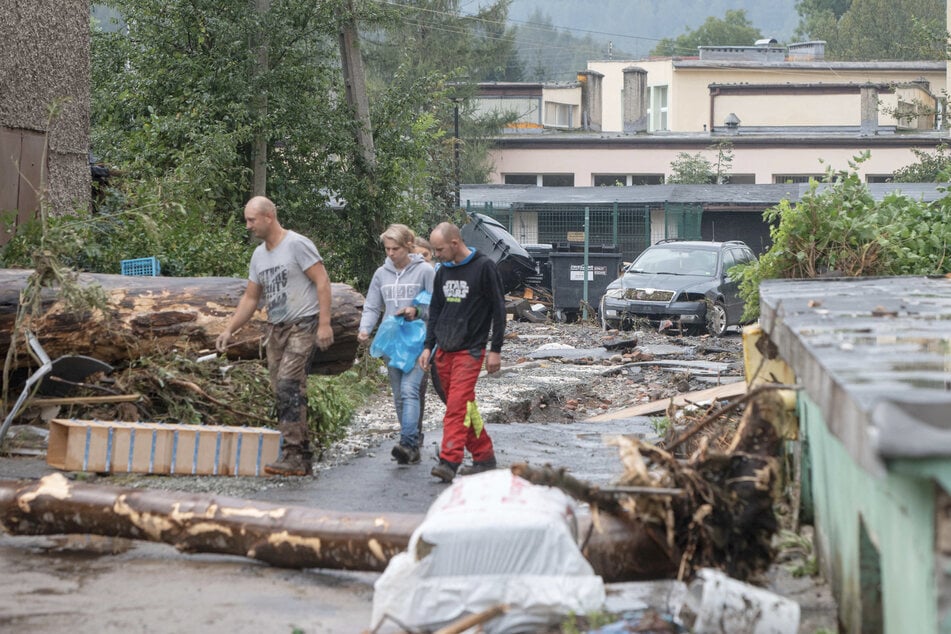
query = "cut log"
{"x": 280, "y": 535}
{"x": 161, "y": 314}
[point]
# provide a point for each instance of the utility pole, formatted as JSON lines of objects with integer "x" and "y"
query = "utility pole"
{"x": 259, "y": 104}
{"x": 356, "y": 86}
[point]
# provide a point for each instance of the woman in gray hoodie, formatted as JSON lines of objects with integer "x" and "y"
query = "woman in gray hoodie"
{"x": 394, "y": 286}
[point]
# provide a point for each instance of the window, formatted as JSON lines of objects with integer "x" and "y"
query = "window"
{"x": 657, "y": 109}
{"x": 740, "y": 179}
{"x": 521, "y": 179}
{"x": 878, "y": 178}
{"x": 647, "y": 179}
{"x": 611, "y": 180}
{"x": 558, "y": 180}
{"x": 558, "y": 115}
{"x": 782, "y": 179}
{"x": 540, "y": 180}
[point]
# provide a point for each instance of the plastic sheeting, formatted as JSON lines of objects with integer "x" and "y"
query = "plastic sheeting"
{"x": 488, "y": 539}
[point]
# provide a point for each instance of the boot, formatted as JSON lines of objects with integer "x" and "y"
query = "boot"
{"x": 405, "y": 454}
{"x": 478, "y": 466}
{"x": 445, "y": 471}
{"x": 294, "y": 461}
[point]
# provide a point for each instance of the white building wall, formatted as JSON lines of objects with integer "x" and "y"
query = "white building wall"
{"x": 763, "y": 163}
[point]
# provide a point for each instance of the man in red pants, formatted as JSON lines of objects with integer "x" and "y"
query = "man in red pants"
{"x": 468, "y": 302}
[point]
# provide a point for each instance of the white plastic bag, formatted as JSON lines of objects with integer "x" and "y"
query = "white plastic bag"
{"x": 490, "y": 539}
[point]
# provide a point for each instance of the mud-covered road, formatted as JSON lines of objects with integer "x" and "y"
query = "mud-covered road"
{"x": 554, "y": 377}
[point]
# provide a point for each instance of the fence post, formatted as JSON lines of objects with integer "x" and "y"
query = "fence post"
{"x": 584, "y": 268}
{"x": 615, "y": 239}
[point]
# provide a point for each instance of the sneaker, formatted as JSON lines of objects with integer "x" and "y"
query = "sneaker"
{"x": 405, "y": 455}
{"x": 478, "y": 467}
{"x": 291, "y": 464}
{"x": 445, "y": 471}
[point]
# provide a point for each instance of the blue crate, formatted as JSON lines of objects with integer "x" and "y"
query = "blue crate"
{"x": 141, "y": 266}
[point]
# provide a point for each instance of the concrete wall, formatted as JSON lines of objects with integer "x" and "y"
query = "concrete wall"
{"x": 45, "y": 60}
{"x": 583, "y": 162}
{"x": 898, "y": 514}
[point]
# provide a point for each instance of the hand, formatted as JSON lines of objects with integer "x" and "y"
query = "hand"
{"x": 221, "y": 343}
{"x": 325, "y": 337}
{"x": 408, "y": 313}
{"x": 493, "y": 362}
{"x": 363, "y": 337}
{"x": 424, "y": 359}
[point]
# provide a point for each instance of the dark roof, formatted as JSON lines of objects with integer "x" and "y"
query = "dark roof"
{"x": 872, "y": 354}
{"x": 752, "y": 195}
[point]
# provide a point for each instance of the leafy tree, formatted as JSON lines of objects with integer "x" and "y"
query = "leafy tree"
{"x": 890, "y": 29}
{"x": 875, "y": 29}
{"x": 930, "y": 168}
{"x": 174, "y": 108}
{"x": 818, "y": 19}
{"x": 691, "y": 169}
{"x": 838, "y": 229}
{"x": 733, "y": 29}
{"x": 696, "y": 169}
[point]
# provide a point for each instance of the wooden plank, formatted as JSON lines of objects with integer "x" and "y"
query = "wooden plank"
{"x": 644, "y": 409}
{"x": 31, "y": 176}
{"x": 9, "y": 168}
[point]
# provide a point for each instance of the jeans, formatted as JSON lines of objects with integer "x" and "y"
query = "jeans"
{"x": 406, "y": 387}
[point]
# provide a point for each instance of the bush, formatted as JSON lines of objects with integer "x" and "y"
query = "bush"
{"x": 840, "y": 230}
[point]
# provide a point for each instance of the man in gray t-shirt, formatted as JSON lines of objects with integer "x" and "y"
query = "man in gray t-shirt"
{"x": 288, "y": 272}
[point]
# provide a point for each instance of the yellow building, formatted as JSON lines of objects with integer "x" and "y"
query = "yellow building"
{"x": 786, "y": 112}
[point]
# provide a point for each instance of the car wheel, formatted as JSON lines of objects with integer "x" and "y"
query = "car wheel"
{"x": 716, "y": 319}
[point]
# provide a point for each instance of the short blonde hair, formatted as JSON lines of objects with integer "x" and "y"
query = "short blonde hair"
{"x": 400, "y": 234}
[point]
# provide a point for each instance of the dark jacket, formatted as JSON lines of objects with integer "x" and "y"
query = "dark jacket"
{"x": 468, "y": 301}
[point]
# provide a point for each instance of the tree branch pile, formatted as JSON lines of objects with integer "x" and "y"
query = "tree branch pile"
{"x": 714, "y": 509}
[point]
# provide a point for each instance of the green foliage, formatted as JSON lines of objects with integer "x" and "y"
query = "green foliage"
{"x": 930, "y": 168}
{"x": 818, "y": 18}
{"x": 839, "y": 230}
{"x": 696, "y": 169}
{"x": 661, "y": 425}
{"x": 331, "y": 402}
{"x": 734, "y": 29}
{"x": 876, "y": 29}
{"x": 186, "y": 242}
{"x": 177, "y": 101}
{"x": 691, "y": 169}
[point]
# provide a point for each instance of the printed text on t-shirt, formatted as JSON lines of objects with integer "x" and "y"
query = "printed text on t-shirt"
{"x": 455, "y": 290}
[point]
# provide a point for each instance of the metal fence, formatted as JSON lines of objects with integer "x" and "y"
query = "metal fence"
{"x": 627, "y": 228}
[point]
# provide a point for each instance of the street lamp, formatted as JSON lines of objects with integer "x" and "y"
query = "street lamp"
{"x": 455, "y": 146}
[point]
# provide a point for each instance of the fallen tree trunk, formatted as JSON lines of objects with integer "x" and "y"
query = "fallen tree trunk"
{"x": 280, "y": 535}
{"x": 155, "y": 314}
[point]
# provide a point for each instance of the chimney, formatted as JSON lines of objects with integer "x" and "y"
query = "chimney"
{"x": 868, "y": 104}
{"x": 634, "y": 100}
{"x": 590, "y": 99}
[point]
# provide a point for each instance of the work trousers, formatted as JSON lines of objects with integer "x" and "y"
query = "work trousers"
{"x": 289, "y": 347}
{"x": 458, "y": 372}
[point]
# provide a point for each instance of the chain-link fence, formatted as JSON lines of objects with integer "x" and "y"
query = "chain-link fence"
{"x": 626, "y": 228}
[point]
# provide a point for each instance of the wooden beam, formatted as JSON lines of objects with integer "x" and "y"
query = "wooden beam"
{"x": 655, "y": 407}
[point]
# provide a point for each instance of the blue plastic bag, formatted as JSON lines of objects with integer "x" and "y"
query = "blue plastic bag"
{"x": 400, "y": 341}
